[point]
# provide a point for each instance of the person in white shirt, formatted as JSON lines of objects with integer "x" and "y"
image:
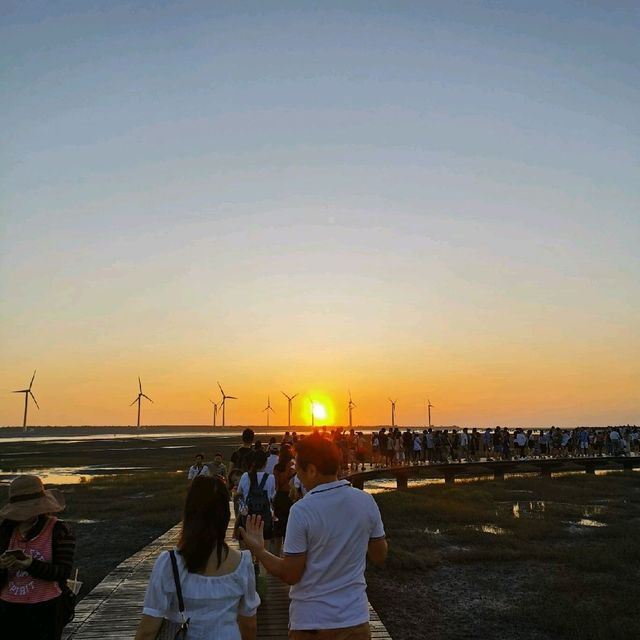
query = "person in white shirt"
{"x": 272, "y": 460}
{"x": 301, "y": 492}
{"x": 199, "y": 468}
{"x": 521, "y": 442}
{"x": 330, "y": 534}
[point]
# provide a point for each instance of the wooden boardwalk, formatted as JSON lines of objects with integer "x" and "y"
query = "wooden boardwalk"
{"x": 112, "y": 610}
{"x": 495, "y": 469}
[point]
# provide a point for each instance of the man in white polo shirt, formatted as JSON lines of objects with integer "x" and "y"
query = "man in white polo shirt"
{"x": 329, "y": 535}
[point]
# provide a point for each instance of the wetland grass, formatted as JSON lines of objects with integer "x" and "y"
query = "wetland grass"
{"x": 466, "y": 563}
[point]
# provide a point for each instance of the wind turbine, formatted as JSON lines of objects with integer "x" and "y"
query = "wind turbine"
{"x": 313, "y": 415}
{"x": 393, "y": 412}
{"x": 352, "y": 406}
{"x": 139, "y": 400}
{"x": 289, "y": 401}
{"x": 267, "y": 409}
{"x": 429, "y": 410}
{"x": 215, "y": 411}
{"x": 224, "y": 402}
{"x": 27, "y": 393}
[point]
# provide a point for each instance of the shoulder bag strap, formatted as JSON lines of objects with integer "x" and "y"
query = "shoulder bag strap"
{"x": 176, "y": 579}
{"x": 263, "y": 481}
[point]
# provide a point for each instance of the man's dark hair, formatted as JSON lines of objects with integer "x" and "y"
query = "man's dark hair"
{"x": 200, "y": 455}
{"x": 320, "y": 452}
{"x": 248, "y": 435}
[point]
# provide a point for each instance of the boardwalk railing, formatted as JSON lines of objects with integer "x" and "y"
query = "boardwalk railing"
{"x": 112, "y": 610}
{"x": 492, "y": 468}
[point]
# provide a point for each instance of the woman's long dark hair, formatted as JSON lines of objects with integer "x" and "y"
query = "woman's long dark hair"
{"x": 259, "y": 460}
{"x": 204, "y": 522}
{"x": 286, "y": 456}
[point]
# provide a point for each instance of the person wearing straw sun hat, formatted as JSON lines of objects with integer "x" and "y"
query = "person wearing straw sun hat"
{"x": 35, "y": 562}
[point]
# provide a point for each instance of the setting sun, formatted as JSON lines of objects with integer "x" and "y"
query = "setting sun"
{"x": 318, "y": 408}
{"x": 319, "y": 411}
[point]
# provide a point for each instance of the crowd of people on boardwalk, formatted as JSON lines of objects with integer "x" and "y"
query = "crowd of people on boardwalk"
{"x": 414, "y": 446}
{"x": 408, "y": 446}
{"x": 205, "y": 588}
{"x": 319, "y": 545}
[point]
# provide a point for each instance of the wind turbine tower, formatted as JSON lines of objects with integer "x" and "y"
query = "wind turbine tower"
{"x": 289, "y": 402}
{"x": 139, "y": 400}
{"x": 268, "y": 408}
{"x": 393, "y": 412}
{"x": 429, "y": 410}
{"x": 215, "y": 411}
{"x": 27, "y": 392}
{"x": 313, "y": 415}
{"x": 352, "y": 406}
{"x": 224, "y": 403}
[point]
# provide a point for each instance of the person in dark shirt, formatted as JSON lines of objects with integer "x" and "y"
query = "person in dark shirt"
{"x": 37, "y": 557}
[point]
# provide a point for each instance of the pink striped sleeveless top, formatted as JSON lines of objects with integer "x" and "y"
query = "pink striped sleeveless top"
{"x": 21, "y": 587}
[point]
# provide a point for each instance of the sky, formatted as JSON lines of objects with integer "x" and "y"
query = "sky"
{"x": 399, "y": 199}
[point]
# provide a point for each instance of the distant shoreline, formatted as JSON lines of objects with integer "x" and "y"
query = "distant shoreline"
{"x": 151, "y": 430}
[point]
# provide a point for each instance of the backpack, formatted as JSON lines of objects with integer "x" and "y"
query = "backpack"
{"x": 258, "y": 503}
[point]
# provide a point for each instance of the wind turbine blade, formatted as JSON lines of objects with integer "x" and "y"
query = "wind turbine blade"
{"x": 140, "y": 384}
{"x": 136, "y": 400}
{"x": 285, "y": 395}
{"x": 220, "y": 387}
{"x": 32, "y": 379}
{"x": 230, "y": 398}
{"x": 354, "y": 405}
{"x": 34, "y": 399}
{"x": 147, "y": 397}
{"x": 293, "y": 396}
{"x": 21, "y": 391}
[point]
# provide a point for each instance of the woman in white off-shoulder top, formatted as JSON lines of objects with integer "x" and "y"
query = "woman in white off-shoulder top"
{"x": 218, "y": 583}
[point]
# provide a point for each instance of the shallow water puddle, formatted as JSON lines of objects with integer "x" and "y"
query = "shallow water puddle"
{"x": 588, "y": 522}
{"x": 68, "y": 475}
{"x": 83, "y": 521}
{"x": 489, "y": 528}
{"x": 382, "y": 485}
{"x": 179, "y": 446}
{"x": 538, "y": 508}
{"x": 532, "y": 508}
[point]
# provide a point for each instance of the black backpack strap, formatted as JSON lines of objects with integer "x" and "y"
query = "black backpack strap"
{"x": 176, "y": 579}
{"x": 263, "y": 481}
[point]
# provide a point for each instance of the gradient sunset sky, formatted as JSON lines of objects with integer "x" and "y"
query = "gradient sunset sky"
{"x": 406, "y": 199}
